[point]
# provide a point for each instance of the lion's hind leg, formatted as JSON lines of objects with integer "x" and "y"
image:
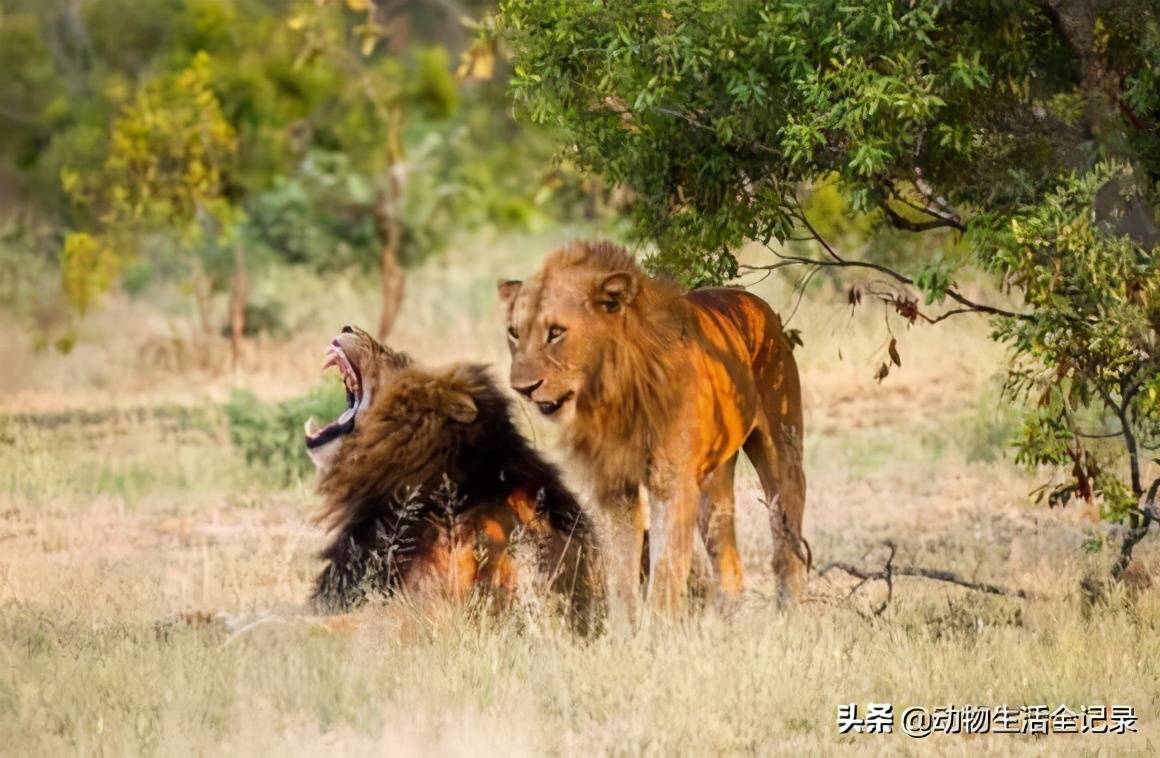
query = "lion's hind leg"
{"x": 777, "y": 456}
{"x": 716, "y": 521}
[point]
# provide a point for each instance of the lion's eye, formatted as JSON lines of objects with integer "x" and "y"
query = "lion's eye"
{"x": 512, "y": 333}
{"x": 555, "y": 333}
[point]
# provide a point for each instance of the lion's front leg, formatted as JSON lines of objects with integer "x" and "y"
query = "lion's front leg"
{"x": 626, "y": 516}
{"x": 672, "y": 526}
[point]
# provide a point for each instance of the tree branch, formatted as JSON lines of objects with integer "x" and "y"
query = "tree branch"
{"x": 1146, "y": 515}
{"x": 1133, "y": 450}
{"x": 837, "y": 261}
{"x": 1123, "y": 410}
{"x": 943, "y": 216}
{"x": 898, "y": 221}
{"x": 889, "y": 571}
{"x": 1100, "y": 436}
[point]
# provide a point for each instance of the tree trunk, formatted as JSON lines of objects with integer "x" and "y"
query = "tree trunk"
{"x": 392, "y": 278}
{"x": 202, "y": 295}
{"x": 239, "y": 293}
{"x": 393, "y": 284}
{"x": 1076, "y": 24}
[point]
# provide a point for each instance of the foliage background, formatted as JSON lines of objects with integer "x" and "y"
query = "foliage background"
{"x": 1016, "y": 139}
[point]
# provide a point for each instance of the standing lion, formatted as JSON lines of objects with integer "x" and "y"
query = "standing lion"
{"x": 658, "y": 392}
{"x": 428, "y": 484}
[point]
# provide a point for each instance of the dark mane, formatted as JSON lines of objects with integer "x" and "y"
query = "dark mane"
{"x": 409, "y": 466}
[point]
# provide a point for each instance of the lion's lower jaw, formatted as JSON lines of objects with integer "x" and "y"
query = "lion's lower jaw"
{"x": 323, "y": 456}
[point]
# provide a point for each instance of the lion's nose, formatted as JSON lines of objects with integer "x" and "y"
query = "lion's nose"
{"x": 348, "y": 329}
{"x": 529, "y": 389}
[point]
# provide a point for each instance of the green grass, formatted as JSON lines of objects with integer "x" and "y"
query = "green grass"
{"x": 137, "y": 456}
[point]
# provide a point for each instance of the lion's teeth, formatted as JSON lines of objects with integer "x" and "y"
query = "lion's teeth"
{"x": 311, "y": 426}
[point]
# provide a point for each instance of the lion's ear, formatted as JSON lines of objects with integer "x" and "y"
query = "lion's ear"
{"x": 616, "y": 291}
{"x": 458, "y": 406}
{"x": 508, "y": 289}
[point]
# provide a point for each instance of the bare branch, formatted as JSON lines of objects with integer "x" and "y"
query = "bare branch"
{"x": 818, "y": 238}
{"x": 943, "y": 214}
{"x": 889, "y": 571}
{"x": 1099, "y": 436}
{"x": 1145, "y": 516}
{"x": 1123, "y": 410}
{"x": 837, "y": 261}
{"x": 800, "y": 293}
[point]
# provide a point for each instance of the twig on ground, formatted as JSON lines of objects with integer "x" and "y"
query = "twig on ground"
{"x": 889, "y": 571}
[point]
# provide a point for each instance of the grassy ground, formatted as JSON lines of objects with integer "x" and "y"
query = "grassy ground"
{"x": 122, "y": 504}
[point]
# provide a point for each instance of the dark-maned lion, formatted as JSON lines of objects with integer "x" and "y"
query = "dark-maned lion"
{"x": 657, "y": 392}
{"x": 427, "y": 482}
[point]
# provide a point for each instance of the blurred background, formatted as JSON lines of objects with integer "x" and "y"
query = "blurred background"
{"x": 221, "y": 158}
{"x": 196, "y": 194}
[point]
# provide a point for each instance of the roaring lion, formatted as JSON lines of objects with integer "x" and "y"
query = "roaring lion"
{"x": 428, "y": 485}
{"x": 657, "y": 393}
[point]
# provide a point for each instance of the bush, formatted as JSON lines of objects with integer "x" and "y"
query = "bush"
{"x": 270, "y": 436}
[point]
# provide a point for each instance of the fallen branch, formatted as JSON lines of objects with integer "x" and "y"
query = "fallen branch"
{"x": 889, "y": 571}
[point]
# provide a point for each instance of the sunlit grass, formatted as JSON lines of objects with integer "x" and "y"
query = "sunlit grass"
{"x": 124, "y": 503}
{"x": 762, "y": 681}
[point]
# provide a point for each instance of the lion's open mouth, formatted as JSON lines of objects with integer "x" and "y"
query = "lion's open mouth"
{"x": 549, "y": 408}
{"x": 316, "y": 436}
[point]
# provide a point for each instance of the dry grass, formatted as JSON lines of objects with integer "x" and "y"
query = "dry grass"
{"x": 113, "y": 521}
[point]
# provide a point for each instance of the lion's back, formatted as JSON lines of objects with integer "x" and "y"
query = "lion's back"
{"x": 742, "y": 319}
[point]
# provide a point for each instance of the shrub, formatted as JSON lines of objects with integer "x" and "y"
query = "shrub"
{"x": 269, "y": 435}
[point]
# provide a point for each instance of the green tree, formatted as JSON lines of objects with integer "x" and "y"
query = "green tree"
{"x": 354, "y": 142}
{"x": 170, "y": 151}
{"x": 1029, "y": 128}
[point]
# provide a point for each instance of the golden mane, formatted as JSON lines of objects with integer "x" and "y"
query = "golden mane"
{"x": 627, "y": 398}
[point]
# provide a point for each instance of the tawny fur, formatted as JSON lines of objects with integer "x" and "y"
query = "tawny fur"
{"x": 659, "y": 391}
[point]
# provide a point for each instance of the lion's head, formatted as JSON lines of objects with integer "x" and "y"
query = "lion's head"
{"x": 580, "y": 327}
{"x": 366, "y": 367}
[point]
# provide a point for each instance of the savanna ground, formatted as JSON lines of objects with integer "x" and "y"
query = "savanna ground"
{"x": 123, "y": 504}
